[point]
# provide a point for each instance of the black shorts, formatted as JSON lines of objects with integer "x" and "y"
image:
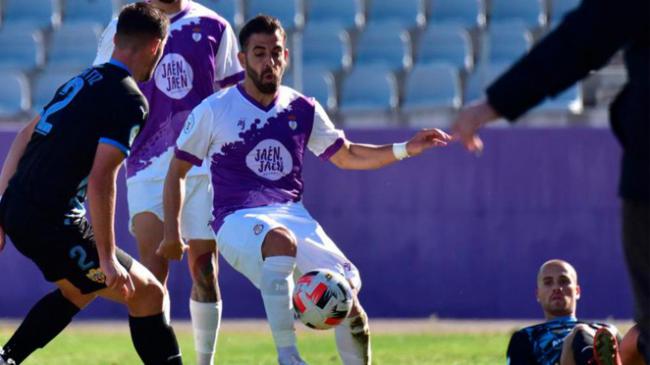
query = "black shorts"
{"x": 62, "y": 248}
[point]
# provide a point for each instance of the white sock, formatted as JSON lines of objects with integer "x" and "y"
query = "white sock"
{"x": 276, "y": 286}
{"x": 353, "y": 340}
{"x": 206, "y": 319}
{"x": 167, "y": 308}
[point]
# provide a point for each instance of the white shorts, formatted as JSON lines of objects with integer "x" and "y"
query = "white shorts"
{"x": 147, "y": 196}
{"x": 241, "y": 236}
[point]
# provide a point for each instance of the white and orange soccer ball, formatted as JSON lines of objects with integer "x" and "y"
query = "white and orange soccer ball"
{"x": 322, "y": 299}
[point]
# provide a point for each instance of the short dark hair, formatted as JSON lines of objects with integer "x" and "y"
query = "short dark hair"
{"x": 261, "y": 23}
{"x": 141, "y": 21}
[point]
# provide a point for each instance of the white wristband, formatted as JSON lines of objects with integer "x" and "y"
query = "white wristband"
{"x": 399, "y": 151}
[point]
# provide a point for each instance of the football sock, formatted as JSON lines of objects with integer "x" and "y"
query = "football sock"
{"x": 47, "y": 318}
{"x": 206, "y": 318}
{"x": 353, "y": 340}
{"x": 167, "y": 310}
{"x": 154, "y": 340}
{"x": 276, "y": 286}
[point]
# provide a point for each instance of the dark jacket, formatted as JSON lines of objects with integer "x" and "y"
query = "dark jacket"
{"x": 584, "y": 41}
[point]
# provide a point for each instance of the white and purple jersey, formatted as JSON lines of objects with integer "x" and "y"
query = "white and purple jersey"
{"x": 200, "y": 57}
{"x": 255, "y": 152}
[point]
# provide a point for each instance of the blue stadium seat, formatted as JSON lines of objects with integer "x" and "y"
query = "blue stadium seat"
{"x": 74, "y": 45}
{"x": 369, "y": 89}
{"x": 326, "y": 44}
{"x": 14, "y": 94}
{"x": 467, "y": 13}
{"x": 348, "y": 13}
{"x": 386, "y": 43}
{"x": 409, "y": 13}
{"x": 570, "y": 100}
{"x": 506, "y": 42}
{"x": 446, "y": 43}
{"x": 432, "y": 86}
{"x": 22, "y": 47}
{"x": 319, "y": 82}
{"x": 38, "y": 13}
{"x": 46, "y": 83}
{"x": 289, "y": 12}
{"x": 530, "y": 12}
{"x": 88, "y": 11}
{"x": 231, "y": 10}
{"x": 481, "y": 78}
{"x": 559, "y": 8}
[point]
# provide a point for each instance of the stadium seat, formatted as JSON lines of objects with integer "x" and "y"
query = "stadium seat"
{"x": 529, "y": 12}
{"x": 348, "y": 13}
{"x": 46, "y": 83}
{"x": 74, "y": 45}
{"x": 231, "y": 10}
{"x": 446, "y": 43}
{"x": 431, "y": 87}
{"x": 482, "y": 76}
{"x": 39, "y": 13}
{"x": 22, "y": 47}
{"x": 289, "y": 12}
{"x": 467, "y": 13}
{"x": 409, "y": 13}
{"x": 506, "y": 42}
{"x": 317, "y": 82}
{"x": 370, "y": 88}
{"x": 14, "y": 94}
{"x": 386, "y": 43}
{"x": 559, "y": 8}
{"x": 327, "y": 45}
{"x": 569, "y": 100}
{"x": 87, "y": 11}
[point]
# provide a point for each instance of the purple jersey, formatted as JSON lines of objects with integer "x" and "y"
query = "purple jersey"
{"x": 255, "y": 152}
{"x": 200, "y": 56}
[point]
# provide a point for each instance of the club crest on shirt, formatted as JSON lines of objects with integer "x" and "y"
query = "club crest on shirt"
{"x": 293, "y": 124}
{"x": 196, "y": 34}
{"x": 189, "y": 124}
{"x": 270, "y": 159}
{"x": 174, "y": 76}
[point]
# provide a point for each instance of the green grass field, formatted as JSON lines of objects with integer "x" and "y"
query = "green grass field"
{"x": 111, "y": 344}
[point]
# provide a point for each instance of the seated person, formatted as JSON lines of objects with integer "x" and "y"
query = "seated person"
{"x": 562, "y": 339}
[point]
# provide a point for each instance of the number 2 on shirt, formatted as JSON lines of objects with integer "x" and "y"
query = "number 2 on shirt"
{"x": 69, "y": 91}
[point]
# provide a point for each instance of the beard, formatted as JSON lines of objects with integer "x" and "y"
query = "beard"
{"x": 168, "y": 1}
{"x": 264, "y": 87}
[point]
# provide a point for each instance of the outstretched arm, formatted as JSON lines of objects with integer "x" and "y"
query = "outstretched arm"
{"x": 357, "y": 156}
{"x": 11, "y": 162}
{"x": 101, "y": 201}
{"x": 172, "y": 246}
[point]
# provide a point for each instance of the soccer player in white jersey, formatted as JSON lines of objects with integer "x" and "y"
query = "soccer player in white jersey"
{"x": 255, "y": 136}
{"x": 199, "y": 58}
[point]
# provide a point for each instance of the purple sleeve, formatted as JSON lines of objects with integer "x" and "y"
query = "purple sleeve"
{"x": 188, "y": 157}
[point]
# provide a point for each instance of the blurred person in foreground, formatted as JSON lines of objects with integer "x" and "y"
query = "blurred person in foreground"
{"x": 584, "y": 41}
{"x": 74, "y": 149}
{"x": 200, "y": 57}
{"x": 562, "y": 339}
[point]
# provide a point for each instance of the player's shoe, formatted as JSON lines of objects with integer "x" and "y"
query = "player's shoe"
{"x": 294, "y": 359}
{"x": 2, "y": 359}
{"x": 606, "y": 348}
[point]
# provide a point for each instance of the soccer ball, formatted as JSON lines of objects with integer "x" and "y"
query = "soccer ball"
{"x": 322, "y": 299}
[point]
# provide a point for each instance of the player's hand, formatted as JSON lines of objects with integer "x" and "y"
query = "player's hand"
{"x": 425, "y": 139}
{"x": 468, "y": 122}
{"x": 2, "y": 238}
{"x": 171, "y": 248}
{"x": 117, "y": 278}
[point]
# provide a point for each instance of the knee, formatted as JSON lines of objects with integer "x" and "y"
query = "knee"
{"x": 279, "y": 242}
{"x": 150, "y": 296}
